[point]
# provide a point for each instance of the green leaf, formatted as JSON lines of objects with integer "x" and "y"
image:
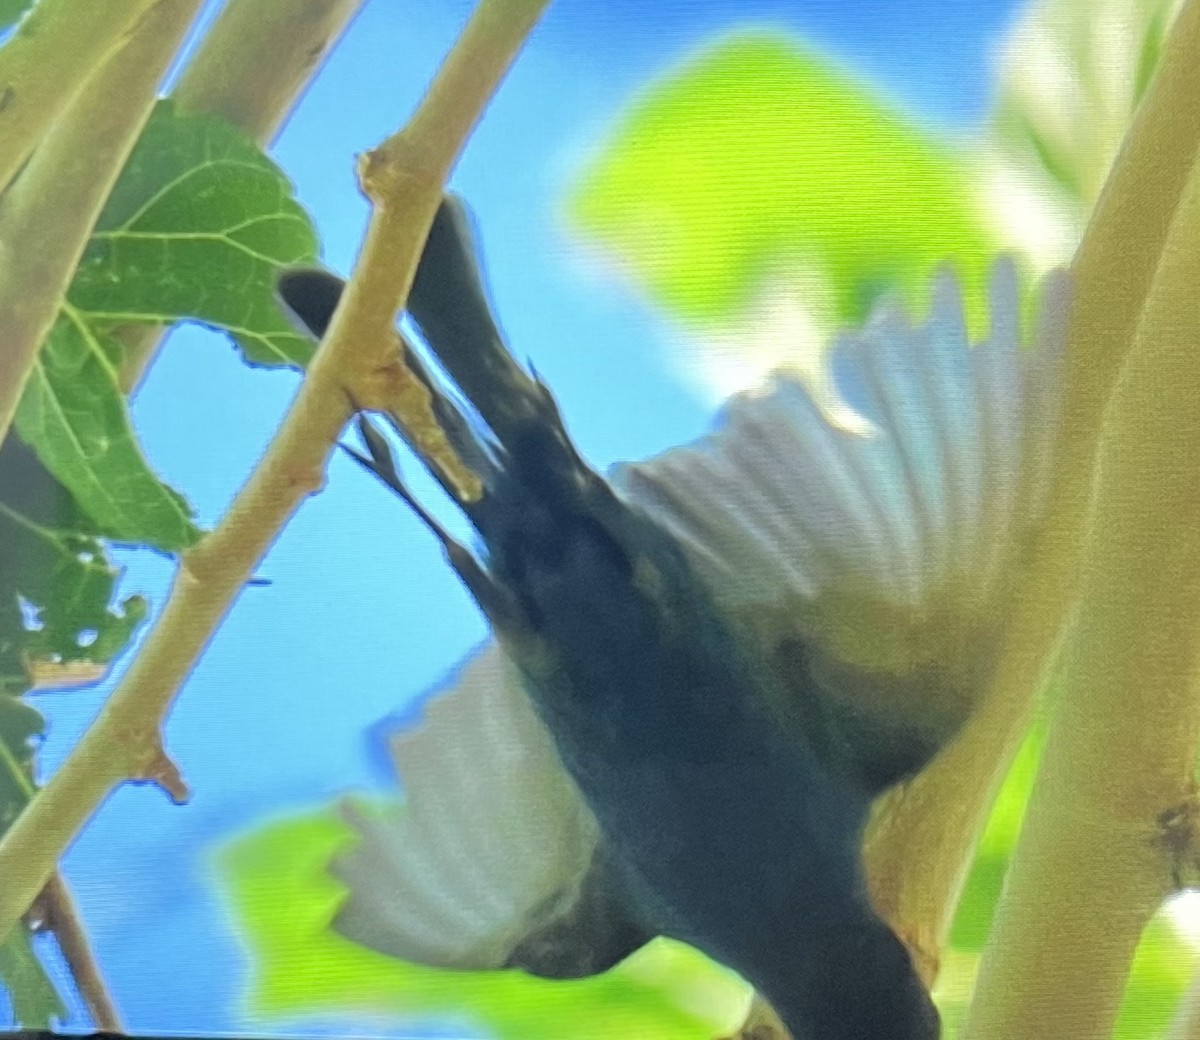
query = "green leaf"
{"x": 56, "y": 583}
{"x": 19, "y": 724}
{"x": 56, "y": 587}
{"x": 760, "y": 157}
{"x": 197, "y": 227}
{"x": 283, "y": 899}
{"x": 1163, "y": 967}
{"x": 74, "y": 412}
{"x": 35, "y": 1002}
{"x": 12, "y": 10}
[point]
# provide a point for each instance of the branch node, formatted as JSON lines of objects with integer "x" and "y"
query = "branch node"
{"x": 392, "y": 387}
{"x": 924, "y": 950}
{"x": 395, "y": 170}
{"x": 1177, "y": 833}
{"x": 381, "y": 386}
{"x": 306, "y": 481}
{"x": 161, "y": 770}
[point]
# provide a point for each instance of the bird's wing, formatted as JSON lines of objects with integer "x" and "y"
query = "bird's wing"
{"x": 874, "y": 558}
{"x": 492, "y": 860}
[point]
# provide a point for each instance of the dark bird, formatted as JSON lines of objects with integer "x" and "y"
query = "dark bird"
{"x": 707, "y": 665}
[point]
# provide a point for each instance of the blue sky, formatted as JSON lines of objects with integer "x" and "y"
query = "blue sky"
{"x": 362, "y": 613}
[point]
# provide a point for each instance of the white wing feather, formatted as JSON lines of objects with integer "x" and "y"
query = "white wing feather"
{"x": 887, "y": 544}
{"x": 492, "y": 839}
{"x": 781, "y": 503}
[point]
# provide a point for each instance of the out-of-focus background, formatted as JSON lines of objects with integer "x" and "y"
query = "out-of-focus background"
{"x": 672, "y": 197}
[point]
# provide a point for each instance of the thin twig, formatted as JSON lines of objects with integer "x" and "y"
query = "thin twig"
{"x": 404, "y": 178}
{"x": 54, "y": 910}
{"x": 62, "y": 918}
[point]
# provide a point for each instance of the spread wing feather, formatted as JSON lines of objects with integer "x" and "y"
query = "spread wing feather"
{"x": 873, "y": 559}
{"x": 492, "y": 844}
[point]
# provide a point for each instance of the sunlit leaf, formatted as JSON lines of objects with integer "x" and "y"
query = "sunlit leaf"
{"x": 56, "y": 582}
{"x": 758, "y": 170}
{"x": 34, "y": 1000}
{"x": 197, "y": 227}
{"x": 283, "y": 899}
{"x": 1162, "y": 969}
{"x": 74, "y": 412}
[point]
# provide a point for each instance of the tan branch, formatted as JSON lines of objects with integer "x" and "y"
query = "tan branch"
{"x": 47, "y": 215}
{"x": 251, "y": 69}
{"x": 1096, "y": 857}
{"x": 404, "y": 178}
{"x": 258, "y": 59}
{"x": 50, "y": 57}
{"x": 921, "y": 841}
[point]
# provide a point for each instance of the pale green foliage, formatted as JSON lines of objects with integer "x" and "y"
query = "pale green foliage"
{"x": 277, "y": 882}
{"x": 761, "y": 186}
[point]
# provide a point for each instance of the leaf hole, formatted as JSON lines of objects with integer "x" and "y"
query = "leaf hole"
{"x": 31, "y": 616}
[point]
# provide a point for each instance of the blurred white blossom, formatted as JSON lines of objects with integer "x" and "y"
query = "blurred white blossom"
{"x": 1070, "y": 75}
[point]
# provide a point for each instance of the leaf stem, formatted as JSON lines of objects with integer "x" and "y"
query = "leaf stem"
{"x": 920, "y": 844}
{"x": 48, "y": 213}
{"x": 404, "y": 179}
{"x": 251, "y": 69}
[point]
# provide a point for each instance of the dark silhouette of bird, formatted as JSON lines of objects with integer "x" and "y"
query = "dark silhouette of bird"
{"x": 708, "y": 665}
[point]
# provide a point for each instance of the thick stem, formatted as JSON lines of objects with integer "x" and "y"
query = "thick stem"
{"x": 1114, "y": 803}
{"x": 921, "y": 841}
{"x": 252, "y": 67}
{"x": 357, "y": 358}
{"x": 47, "y": 62}
{"x": 47, "y": 215}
